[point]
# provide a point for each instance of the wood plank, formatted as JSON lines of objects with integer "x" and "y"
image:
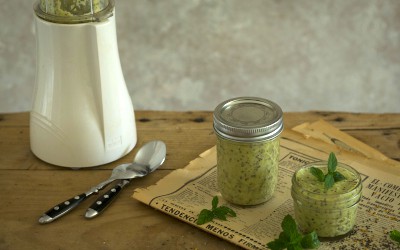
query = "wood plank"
{"x": 125, "y": 224}
{"x": 386, "y": 141}
{"x": 345, "y": 121}
{"x": 187, "y": 134}
{"x": 31, "y": 186}
{"x": 342, "y": 120}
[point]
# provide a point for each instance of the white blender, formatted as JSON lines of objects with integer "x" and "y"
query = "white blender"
{"x": 82, "y": 114}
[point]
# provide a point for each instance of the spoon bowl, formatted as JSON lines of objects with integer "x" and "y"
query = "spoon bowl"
{"x": 149, "y": 157}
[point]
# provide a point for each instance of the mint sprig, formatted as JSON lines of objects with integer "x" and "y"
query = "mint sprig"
{"x": 395, "y": 235}
{"x": 216, "y": 212}
{"x": 332, "y": 176}
{"x": 291, "y": 238}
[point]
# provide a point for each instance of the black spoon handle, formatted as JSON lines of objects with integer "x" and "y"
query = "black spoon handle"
{"x": 62, "y": 208}
{"x": 105, "y": 200}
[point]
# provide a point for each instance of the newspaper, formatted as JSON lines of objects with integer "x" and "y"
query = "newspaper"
{"x": 322, "y": 130}
{"x": 185, "y": 192}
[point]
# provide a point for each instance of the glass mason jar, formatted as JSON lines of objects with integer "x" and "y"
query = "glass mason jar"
{"x": 330, "y": 212}
{"x": 247, "y": 130}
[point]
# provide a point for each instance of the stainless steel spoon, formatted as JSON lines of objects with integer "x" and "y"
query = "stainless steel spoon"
{"x": 147, "y": 159}
{"x": 121, "y": 172}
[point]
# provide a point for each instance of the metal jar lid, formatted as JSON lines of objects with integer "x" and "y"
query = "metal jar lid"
{"x": 248, "y": 119}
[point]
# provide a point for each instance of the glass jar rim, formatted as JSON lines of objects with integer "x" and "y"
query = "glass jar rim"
{"x": 357, "y": 187}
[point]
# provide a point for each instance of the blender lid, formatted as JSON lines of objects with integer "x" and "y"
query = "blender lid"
{"x": 74, "y": 11}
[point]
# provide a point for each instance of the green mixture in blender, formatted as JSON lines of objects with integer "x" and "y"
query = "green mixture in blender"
{"x": 72, "y": 7}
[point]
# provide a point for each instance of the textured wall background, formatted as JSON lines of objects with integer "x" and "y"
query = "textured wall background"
{"x": 337, "y": 55}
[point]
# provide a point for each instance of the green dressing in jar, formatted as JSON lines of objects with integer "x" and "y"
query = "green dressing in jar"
{"x": 330, "y": 212}
{"x": 247, "y": 130}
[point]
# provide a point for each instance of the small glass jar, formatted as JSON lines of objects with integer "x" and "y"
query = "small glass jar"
{"x": 330, "y": 212}
{"x": 247, "y": 130}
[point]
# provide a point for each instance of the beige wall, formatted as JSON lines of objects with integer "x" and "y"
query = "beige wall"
{"x": 338, "y": 55}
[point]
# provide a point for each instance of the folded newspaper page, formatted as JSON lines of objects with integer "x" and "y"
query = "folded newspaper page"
{"x": 185, "y": 192}
{"x": 324, "y": 131}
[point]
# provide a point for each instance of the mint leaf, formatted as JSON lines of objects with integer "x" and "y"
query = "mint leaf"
{"x": 205, "y": 216}
{"x": 284, "y": 237}
{"x": 395, "y": 235}
{"x": 277, "y": 244}
{"x": 317, "y": 173}
{"x": 310, "y": 240}
{"x": 215, "y": 212}
{"x": 329, "y": 181}
{"x": 219, "y": 213}
{"x": 332, "y": 176}
{"x": 292, "y": 239}
{"x": 338, "y": 176}
{"x": 228, "y": 211}
{"x": 281, "y": 243}
{"x": 290, "y": 228}
{"x": 288, "y": 224}
{"x": 332, "y": 163}
{"x": 214, "y": 202}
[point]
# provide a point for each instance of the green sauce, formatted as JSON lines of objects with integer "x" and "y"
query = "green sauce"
{"x": 331, "y": 212}
{"x": 247, "y": 172}
{"x": 247, "y": 130}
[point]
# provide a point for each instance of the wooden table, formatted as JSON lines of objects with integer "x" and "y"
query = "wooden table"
{"x": 30, "y": 186}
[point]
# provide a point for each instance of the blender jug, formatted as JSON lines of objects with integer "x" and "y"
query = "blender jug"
{"x": 82, "y": 114}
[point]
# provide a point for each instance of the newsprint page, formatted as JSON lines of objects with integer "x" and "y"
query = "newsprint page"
{"x": 185, "y": 192}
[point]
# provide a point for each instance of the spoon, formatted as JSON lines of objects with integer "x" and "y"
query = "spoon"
{"x": 147, "y": 159}
{"x": 120, "y": 172}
